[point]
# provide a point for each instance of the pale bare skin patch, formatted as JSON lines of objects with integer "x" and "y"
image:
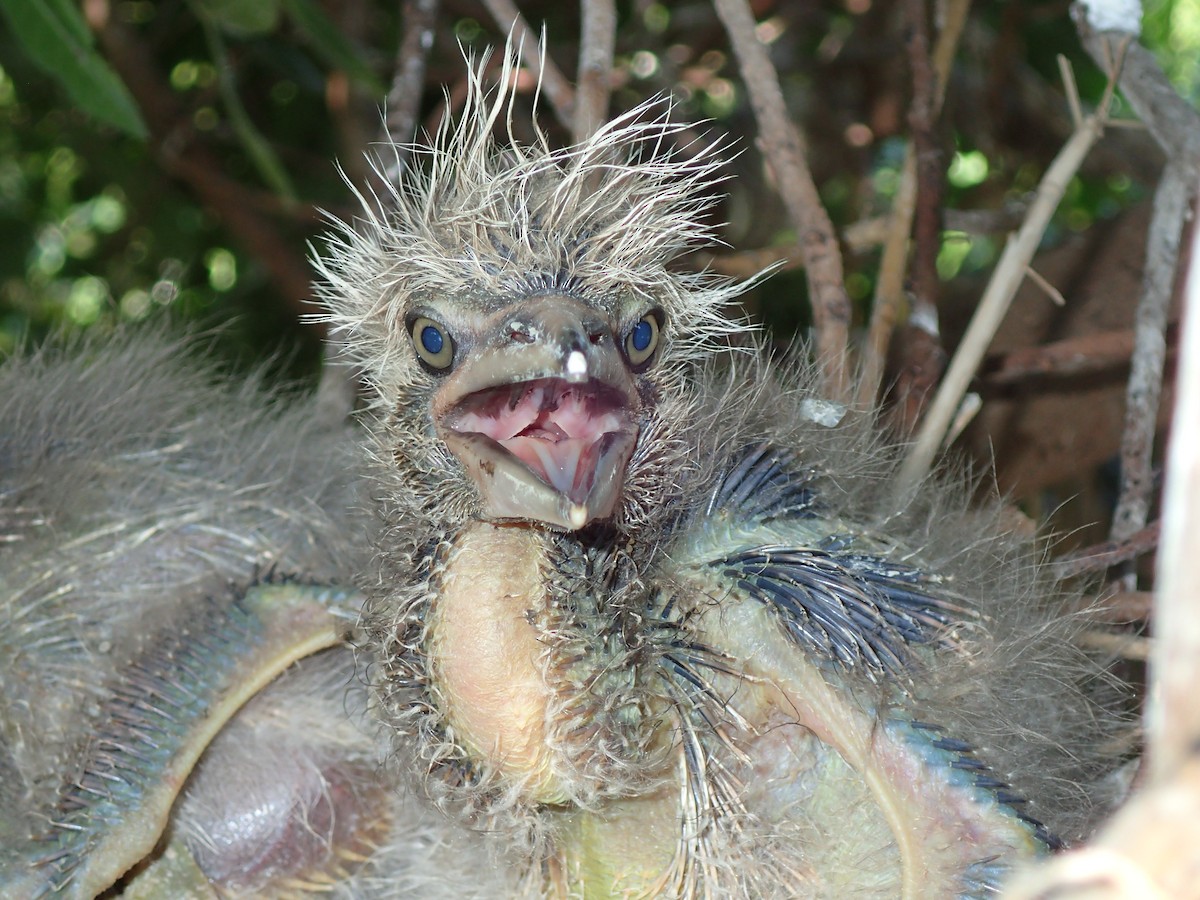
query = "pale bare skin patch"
{"x": 486, "y": 652}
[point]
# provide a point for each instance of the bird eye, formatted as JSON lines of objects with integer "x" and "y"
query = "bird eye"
{"x": 432, "y": 342}
{"x": 642, "y": 339}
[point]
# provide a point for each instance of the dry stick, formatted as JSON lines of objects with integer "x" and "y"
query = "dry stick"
{"x": 598, "y": 40}
{"x": 1120, "y": 608}
{"x": 1117, "y": 643}
{"x": 1149, "y": 849}
{"x": 554, "y": 84}
{"x": 1102, "y": 556}
{"x": 889, "y": 285}
{"x": 927, "y": 224}
{"x": 1172, "y": 201}
{"x": 1176, "y": 128}
{"x": 1095, "y": 352}
{"x": 408, "y": 80}
{"x": 922, "y": 358}
{"x": 782, "y": 145}
{"x": 998, "y": 295}
{"x": 1048, "y": 289}
{"x": 1173, "y": 715}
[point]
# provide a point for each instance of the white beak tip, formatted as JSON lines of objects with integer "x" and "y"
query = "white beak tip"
{"x": 577, "y": 367}
{"x": 577, "y": 515}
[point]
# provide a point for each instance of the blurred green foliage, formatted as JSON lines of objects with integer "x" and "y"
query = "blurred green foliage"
{"x": 98, "y": 227}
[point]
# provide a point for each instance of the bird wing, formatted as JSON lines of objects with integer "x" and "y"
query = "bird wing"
{"x": 176, "y": 712}
{"x": 814, "y": 647}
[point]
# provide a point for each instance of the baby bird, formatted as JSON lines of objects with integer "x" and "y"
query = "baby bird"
{"x": 641, "y": 615}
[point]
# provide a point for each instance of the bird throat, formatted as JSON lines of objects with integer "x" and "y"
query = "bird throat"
{"x": 485, "y": 656}
{"x": 540, "y": 688}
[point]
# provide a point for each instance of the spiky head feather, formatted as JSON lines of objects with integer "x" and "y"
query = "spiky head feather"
{"x": 488, "y": 222}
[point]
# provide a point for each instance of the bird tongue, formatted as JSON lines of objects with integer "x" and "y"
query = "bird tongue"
{"x": 554, "y": 427}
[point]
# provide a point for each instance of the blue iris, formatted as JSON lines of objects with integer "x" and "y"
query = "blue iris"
{"x": 432, "y": 340}
{"x": 642, "y": 335}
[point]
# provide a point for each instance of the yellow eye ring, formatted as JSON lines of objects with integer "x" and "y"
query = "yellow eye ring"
{"x": 642, "y": 339}
{"x": 434, "y": 346}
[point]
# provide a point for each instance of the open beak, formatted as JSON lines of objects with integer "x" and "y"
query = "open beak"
{"x": 544, "y": 415}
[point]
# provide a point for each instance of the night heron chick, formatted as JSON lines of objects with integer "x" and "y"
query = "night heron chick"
{"x": 646, "y": 617}
{"x": 647, "y": 609}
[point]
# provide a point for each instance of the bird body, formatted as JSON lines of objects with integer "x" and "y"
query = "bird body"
{"x": 645, "y": 617}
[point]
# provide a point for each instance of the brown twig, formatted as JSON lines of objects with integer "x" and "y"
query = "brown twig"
{"x": 746, "y": 263}
{"x": 1121, "y": 607}
{"x": 598, "y": 39}
{"x": 1099, "y": 557}
{"x": 408, "y": 81}
{"x": 1007, "y": 277}
{"x": 554, "y": 84}
{"x": 889, "y": 286}
{"x": 927, "y": 221}
{"x": 921, "y": 356}
{"x": 1095, "y": 352}
{"x": 783, "y": 146}
{"x": 1121, "y": 644}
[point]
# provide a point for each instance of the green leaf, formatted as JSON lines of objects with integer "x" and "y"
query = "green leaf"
{"x": 330, "y": 44}
{"x": 58, "y": 41}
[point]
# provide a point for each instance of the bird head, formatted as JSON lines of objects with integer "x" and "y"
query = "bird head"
{"x": 515, "y": 310}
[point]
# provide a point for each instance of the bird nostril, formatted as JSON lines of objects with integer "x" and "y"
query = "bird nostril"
{"x": 596, "y": 337}
{"x": 518, "y": 333}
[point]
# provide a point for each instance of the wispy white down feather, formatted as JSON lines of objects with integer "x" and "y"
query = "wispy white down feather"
{"x": 489, "y": 221}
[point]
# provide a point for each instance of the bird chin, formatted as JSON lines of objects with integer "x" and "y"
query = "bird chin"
{"x": 546, "y": 449}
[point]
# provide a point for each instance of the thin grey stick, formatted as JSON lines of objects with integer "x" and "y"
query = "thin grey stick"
{"x": 1172, "y": 713}
{"x": 1172, "y": 200}
{"x": 554, "y": 84}
{"x": 598, "y": 40}
{"x": 997, "y": 297}
{"x": 1175, "y": 125}
{"x": 408, "y": 81}
{"x": 783, "y": 146}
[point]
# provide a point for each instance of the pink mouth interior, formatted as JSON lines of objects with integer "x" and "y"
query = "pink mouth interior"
{"x": 554, "y": 427}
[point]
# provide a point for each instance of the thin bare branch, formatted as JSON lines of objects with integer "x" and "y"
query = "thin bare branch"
{"x": 1122, "y": 607}
{"x": 1006, "y": 279}
{"x": 1172, "y": 202}
{"x": 889, "y": 285}
{"x": 1102, "y": 556}
{"x": 1173, "y": 715}
{"x": 408, "y": 80}
{"x": 783, "y": 146}
{"x": 555, "y": 85}
{"x": 1175, "y": 125}
{"x": 1149, "y": 848}
{"x": 1117, "y": 643}
{"x": 598, "y": 39}
{"x": 1071, "y": 89}
{"x": 1048, "y": 289}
